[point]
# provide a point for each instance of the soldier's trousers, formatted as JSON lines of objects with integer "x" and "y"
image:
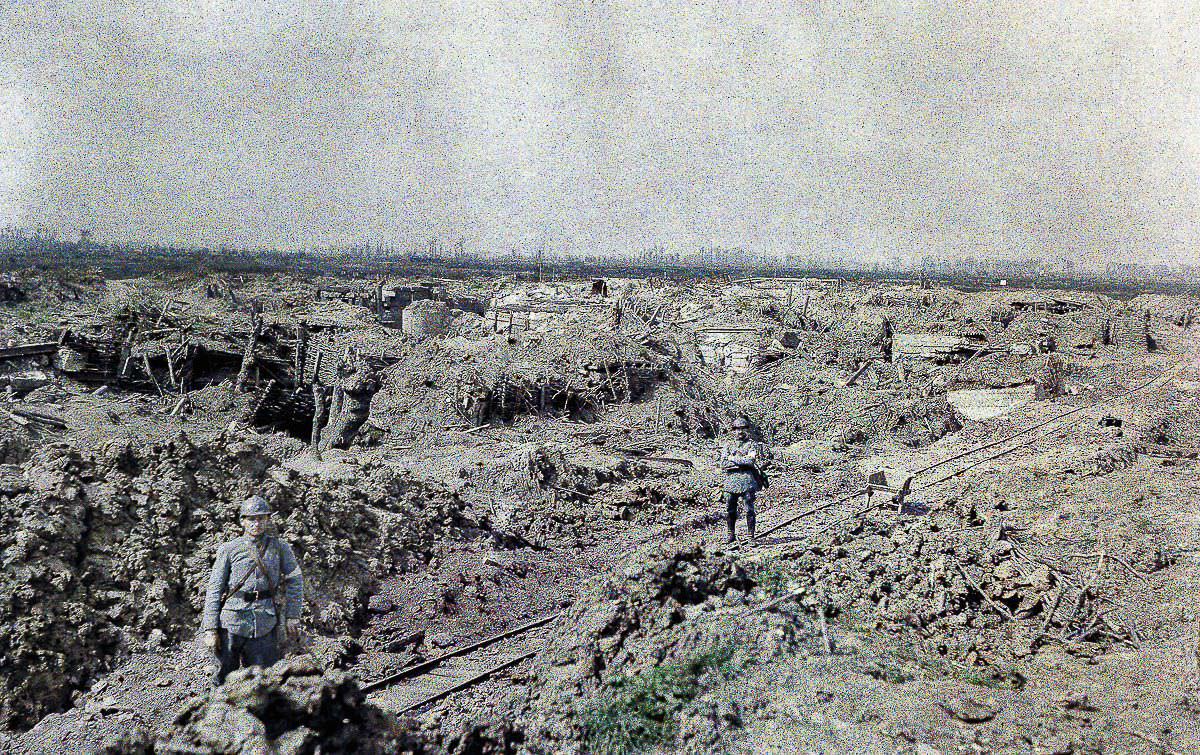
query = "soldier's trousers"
{"x": 238, "y": 652}
{"x": 731, "y": 510}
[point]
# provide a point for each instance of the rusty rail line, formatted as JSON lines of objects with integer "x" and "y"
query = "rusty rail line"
{"x": 420, "y": 669}
{"x": 1162, "y": 378}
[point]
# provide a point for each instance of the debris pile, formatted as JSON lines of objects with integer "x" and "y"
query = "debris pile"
{"x": 292, "y": 707}
{"x": 971, "y": 592}
{"x": 444, "y": 382}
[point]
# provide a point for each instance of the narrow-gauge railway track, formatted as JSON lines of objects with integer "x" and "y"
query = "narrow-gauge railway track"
{"x": 430, "y": 681}
{"x": 424, "y": 683}
{"x": 1025, "y": 437}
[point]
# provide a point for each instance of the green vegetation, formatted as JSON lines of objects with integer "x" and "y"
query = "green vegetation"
{"x": 775, "y": 576}
{"x": 635, "y": 713}
{"x": 906, "y": 665}
{"x": 32, "y": 313}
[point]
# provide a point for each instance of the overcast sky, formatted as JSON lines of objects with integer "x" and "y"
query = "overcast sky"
{"x": 869, "y": 129}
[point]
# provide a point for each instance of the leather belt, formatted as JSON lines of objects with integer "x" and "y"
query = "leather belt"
{"x": 254, "y": 595}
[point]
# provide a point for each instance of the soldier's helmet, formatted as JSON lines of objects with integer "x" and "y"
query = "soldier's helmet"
{"x": 741, "y": 423}
{"x": 255, "y": 505}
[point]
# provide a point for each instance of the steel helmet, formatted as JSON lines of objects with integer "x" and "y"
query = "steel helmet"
{"x": 255, "y": 505}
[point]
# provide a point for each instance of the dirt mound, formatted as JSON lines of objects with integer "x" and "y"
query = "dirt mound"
{"x": 1004, "y": 370}
{"x": 445, "y": 382}
{"x": 292, "y": 707}
{"x": 118, "y": 546}
{"x": 648, "y": 658}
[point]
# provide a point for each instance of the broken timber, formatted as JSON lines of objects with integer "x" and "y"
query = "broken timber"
{"x": 29, "y": 350}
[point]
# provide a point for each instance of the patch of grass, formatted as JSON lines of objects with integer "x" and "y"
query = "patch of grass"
{"x": 990, "y": 677}
{"x": 775, "y": 577}
{"x": 31, "y": 312}
{"x": 636, "y": 713}
{"x": 890, "y": 670}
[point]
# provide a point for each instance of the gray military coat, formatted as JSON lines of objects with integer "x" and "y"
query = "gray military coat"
{"x": 739, "y": 460}
{"x": 252, "y": 618}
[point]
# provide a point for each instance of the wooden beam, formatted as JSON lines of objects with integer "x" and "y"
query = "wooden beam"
{"x": 170, "y": 366}
{"x": 150, "y": 374}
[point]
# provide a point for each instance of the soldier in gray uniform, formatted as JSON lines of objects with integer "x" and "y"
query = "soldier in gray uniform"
{"x": 255, "y": 595}
{"x": 743, "y": 478}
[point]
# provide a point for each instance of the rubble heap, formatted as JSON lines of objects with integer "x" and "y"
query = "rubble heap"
{"x": 444, "y": 382}
{"x": 290, "y": 708}
{"x": 970, "y": 592}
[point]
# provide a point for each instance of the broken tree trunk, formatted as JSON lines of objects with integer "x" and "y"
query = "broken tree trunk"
{"x": 320, "y": 412}
{"x": 301, "y": 347}
{"x": 248, "y": 355}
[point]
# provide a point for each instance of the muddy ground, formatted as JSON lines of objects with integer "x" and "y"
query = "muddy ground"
{"x": 520, "y": 449}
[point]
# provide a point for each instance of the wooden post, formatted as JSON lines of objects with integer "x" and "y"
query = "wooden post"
{"x": 150, "y": 374}
{"x": 170, "y": 366}
{"x": 186, "y": 372}
{"x": 248, "y": 356}
{"x": 301, "y": 352}
{"x": 319, "y": 414}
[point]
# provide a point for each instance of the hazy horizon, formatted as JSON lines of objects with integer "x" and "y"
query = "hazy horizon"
{"x": 872, "y": 130}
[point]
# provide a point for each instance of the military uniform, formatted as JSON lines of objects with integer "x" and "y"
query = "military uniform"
{"x": 248, "y": 617}
{"x": 742, "y": 481}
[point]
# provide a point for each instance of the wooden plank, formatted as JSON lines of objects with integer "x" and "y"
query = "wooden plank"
{"x": 859, "y": 372}
{"x": 15, "y": 418}
{"x": 39, "y": 417}
{"x": 29, "y": 350}
{"x": 170, "y": 366}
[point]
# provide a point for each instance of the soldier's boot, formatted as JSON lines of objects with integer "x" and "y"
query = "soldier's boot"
{"x": 750, "y": 525}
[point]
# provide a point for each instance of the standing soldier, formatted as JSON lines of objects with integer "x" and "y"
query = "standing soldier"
{"x": 247, "y": 613}
{"x": 743, "y": 478}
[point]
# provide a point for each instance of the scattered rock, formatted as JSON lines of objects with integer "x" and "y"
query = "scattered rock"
{"x": 380, "y": 605}
{"x": 1079, "y": 702}
{"x": 157, "y": 638}
{"x": 971, "y": 710}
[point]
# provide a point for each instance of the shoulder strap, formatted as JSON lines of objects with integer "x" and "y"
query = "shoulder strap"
{"x": 258, "y": 560}
{"x": 230, "y": 593}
